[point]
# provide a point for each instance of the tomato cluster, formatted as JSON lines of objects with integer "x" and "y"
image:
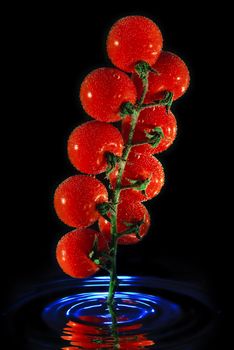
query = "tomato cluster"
{"x": 93, "y": 146}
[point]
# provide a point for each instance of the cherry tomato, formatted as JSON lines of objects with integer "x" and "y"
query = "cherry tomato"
{"x": 133, "y": 39}
{"x": 89, "y": 143}
{"x": 76, "y": 198}
{"x": 130, "y": 212}
{"x": 149, "y": 119}
{"x": 73, "y": 251}
{"x": 141, "y": 167}
{"x": 173, "y": 76}
{"x": 103, "y": 92}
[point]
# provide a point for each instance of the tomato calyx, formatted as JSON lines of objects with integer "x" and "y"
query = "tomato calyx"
{"x": 112, "y": 160}
{"x": 155, "y": 136}
{"x": 133, "y": 228}
{"x": 106, "y": 208}
{"x": 100, "y": 258}
{"x": 166, "y": 101}
{"x": 138, "y": 185}
{"x": 127, "y": 108}
{"x": 142, "y": 68}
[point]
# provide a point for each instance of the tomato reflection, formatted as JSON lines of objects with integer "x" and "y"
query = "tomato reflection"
{"x": 84, "y": 336}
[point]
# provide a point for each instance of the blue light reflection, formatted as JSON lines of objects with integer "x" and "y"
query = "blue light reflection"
{"x": 132, "y": 307}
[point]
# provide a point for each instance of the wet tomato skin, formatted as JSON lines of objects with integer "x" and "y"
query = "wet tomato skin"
{"x": 89, "y": 143}
{"x": 73, "y": 251}
{"x": 141, "y": 167}
{"x": 133, "y": 39}
{"x": 103, "y": 92}
{"x": 149, "y": 119}
{"x": 173, "y": 75}
{"x": 76, "y": 198}
{"x": 131, "y": 212}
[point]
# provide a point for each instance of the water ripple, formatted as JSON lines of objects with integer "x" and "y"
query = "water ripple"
{"x": 151, "y": 313}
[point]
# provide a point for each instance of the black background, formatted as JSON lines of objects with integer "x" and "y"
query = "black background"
{"x": 49, "y": 51}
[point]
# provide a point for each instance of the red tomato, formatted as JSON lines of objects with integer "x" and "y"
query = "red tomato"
{"x": 150, "y": 118}
{"x": 89, "y": 143}
{"x": 173, "y": 76}
{"x": 130, "y": 212}
{"x": 141, "y": 167}
{"x": 73, "y": 251}
{"x": 76, "y": 198}
{"x": 103, "y": 92}
{"x": 133, "y": 39}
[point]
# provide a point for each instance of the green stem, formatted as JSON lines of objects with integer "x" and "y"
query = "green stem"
{"x": 115, "y": 200}
{"x": 145, "y": 89}
{"x": 114, "y": 233}
{"x": 134, "y": 110}
{"x": 116, "y": 195}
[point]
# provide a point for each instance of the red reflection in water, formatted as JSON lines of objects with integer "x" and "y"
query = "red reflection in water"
{"x": 84, "y": 336}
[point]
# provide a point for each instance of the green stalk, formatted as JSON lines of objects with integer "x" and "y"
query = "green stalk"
{"x": 143, "y": 70}
{"x": 116, "y": 194}
{"x": 114, "y": 233}
{"x": 115, "y": 200}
